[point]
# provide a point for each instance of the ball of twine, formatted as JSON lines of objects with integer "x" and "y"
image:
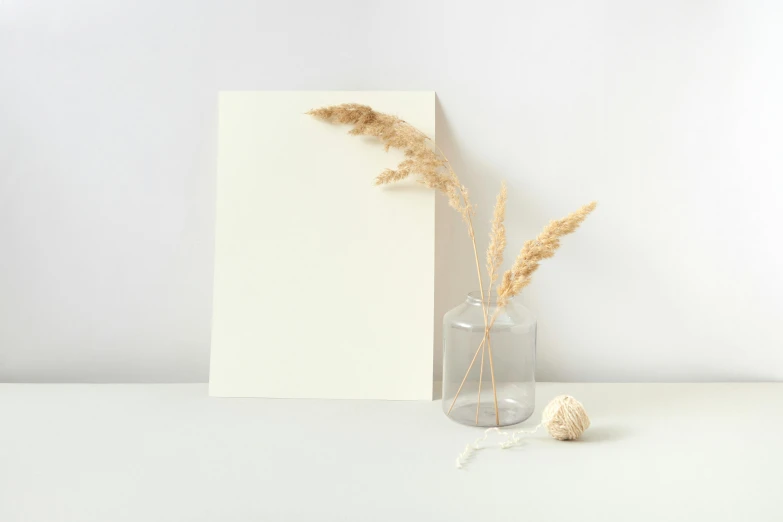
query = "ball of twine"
{"x": 565, "y": 418}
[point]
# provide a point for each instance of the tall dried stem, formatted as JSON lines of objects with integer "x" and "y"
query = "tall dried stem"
{"x": 497, "y": 245}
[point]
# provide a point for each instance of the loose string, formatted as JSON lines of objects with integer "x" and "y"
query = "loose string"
{"x": 512, "y": 438}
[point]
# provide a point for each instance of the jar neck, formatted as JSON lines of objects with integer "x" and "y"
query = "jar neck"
{"x": 474, "y": 299}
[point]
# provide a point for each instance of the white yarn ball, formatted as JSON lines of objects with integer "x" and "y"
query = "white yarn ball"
{"x": 565, "y": 418}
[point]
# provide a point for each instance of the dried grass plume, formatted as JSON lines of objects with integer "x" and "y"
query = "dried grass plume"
{"x": 420, "y": 157}
{"x": 497, "y": 237}
{"x": 534, "y": 251}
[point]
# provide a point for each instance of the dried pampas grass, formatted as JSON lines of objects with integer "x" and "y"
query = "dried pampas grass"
{"x": 497, "y": 237}
{"x": 543, "y": 247}
{"x": 424, "y": 159}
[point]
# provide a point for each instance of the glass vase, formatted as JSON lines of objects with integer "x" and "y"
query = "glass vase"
{"x": 489, "y": 383}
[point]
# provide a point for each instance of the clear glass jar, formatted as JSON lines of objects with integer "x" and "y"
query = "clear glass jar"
{"x": 468, "y": 395}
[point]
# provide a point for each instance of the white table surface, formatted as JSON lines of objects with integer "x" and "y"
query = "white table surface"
{"x": 145, "y": 453}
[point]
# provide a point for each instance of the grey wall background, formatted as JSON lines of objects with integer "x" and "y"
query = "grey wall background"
{"x": 669, "y": 113}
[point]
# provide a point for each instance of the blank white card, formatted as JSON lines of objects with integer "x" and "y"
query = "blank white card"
{"x": 324, "y": 283}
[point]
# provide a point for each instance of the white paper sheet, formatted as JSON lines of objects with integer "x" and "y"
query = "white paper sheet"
{"x": 324, "y": 283}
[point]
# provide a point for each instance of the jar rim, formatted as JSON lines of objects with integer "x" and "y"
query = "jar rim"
{"x": 475, "y": 298}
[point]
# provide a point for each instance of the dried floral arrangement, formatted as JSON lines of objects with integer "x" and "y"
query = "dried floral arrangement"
{"x": 424, "y": 159}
